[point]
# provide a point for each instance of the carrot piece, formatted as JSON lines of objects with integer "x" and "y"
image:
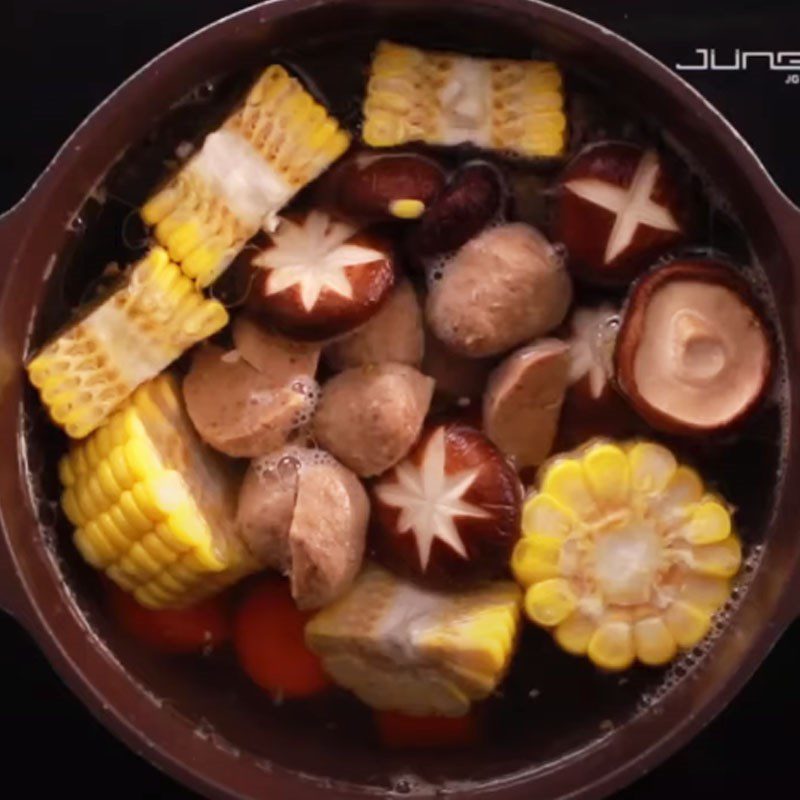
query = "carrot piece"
{"x": 269, "y": 639}
{"x": 398, "y": 730}
{"x": 195, "y": 629}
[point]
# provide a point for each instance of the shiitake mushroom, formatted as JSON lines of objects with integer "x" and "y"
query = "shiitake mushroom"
{"x": 693, "y": 354}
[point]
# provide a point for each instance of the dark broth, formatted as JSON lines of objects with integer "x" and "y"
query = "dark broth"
{"x": 551, "y": 703}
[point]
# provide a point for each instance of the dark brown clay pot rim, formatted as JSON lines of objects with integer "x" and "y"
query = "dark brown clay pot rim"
{"x": 31, "y": 586}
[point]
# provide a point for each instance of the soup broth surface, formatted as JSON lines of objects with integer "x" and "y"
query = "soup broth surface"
{"x": 551, "y": 703}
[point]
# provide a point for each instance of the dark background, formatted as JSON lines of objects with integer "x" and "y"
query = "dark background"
{"x": 59, "y": 58}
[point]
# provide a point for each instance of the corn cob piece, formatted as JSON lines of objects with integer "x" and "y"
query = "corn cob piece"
{"x": 448, "y": 99}
{"x": 624, "y": 554}
{"x": 279, "y": 140}
{"x": 94, "y": 365}
{"x": 403, "y": 648}
{"x": 154, "y": 507}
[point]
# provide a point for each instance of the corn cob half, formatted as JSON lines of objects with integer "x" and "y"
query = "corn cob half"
{"x": 624, "y": 554}
{"x": 448, "y": 99}
{"x": 153, "y": 507}
{"x": 403, "y": 648}
{"x": 95, "y": 364}
{"x": 279, "y": 140}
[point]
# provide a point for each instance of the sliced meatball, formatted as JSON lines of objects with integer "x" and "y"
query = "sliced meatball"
{"x": 281, "y": 358}
{"x": 303, "y": 513}
{"x": 241, "y": 411}
{"x": 503, "y": 288}
{"x": 369, "y": 417}
{"x": 266, "y": 505}
{"x": 395, "y": 334}
{"x": 328, "y": 532}
{"x": 523, "y": 401}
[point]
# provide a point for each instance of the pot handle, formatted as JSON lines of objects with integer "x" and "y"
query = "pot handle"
{"x": 12, "y": 594}
{"x": 13, "y": 230}
{"x": 787, "y": 215}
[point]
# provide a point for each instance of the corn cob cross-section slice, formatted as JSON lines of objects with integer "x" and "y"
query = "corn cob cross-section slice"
{"x": 152, "y": 505}
{"x": 94, "y": 365}
{"x": 403, "y": 648}
{"x": 275, "y": 143}
{"x": 624, "y": 554}
{"x": 448, "y": 99}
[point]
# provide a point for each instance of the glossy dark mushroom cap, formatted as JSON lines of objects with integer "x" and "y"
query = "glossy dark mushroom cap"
{"x": 448, "y": 515}
{"x": 385, "y": 186}
{"x": 320, "y": 277}
{"x": 475, "y": 196}
{"x": 617, "y": 208}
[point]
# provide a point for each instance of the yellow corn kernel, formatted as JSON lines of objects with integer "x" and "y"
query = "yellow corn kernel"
{"x": 66, "y": 473}
{"x": 721, "y": 560}
{"x": 160, "y": 206}
{"x": 575, "y": 633}
{"x": 140, "y": 457}
{"x": 407, "y": 208}
{"x": 710, "y": 523}
{"x": 183, "y": 239}
{"x": 652, "y": 467}
{"x": 108, "y": 481}
{"x": 135, "y": 519}
{"x": 687, "y": 623}
{"x": 119, "y": 577}
{"x": 612, "y": 647}
{"x": 157, "y": 549}
{"x": 655, "y": 645}
{"x": 85, "y": 373}
{"x": 153, "y": 596}
{"x": 418, "y": 95}
{"x": 684, "y": 488}
{"x": 156, "y": 512}
{"x": 69, "y": 504}
{"x": 167, "y": 227}
{"x": 550, "y": 602}
{"x": 94, "y": 549}
{"x": 139, "y": 556}
{"x": 170, "y": 583}
{"x": 119, "y": 540}
{"x": 705, "y": 592}
{"x": 542, "y": 514}
{"x": 203, "y": 260}
{"x": 456, "y": 652}
{"x": 608, "y": 474}
{"x": 566, "y": 483}
{"x": 535, "y": 558}
{"x": 675, "y": 504}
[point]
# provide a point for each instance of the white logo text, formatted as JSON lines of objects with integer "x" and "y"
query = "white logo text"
{"x": 709, "y": 60}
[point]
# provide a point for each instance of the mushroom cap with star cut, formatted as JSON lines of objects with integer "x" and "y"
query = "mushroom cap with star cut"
{"x": 320, "y": 277}
{"x": 618, "y": 207}
{"x": 448, "y": 514}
